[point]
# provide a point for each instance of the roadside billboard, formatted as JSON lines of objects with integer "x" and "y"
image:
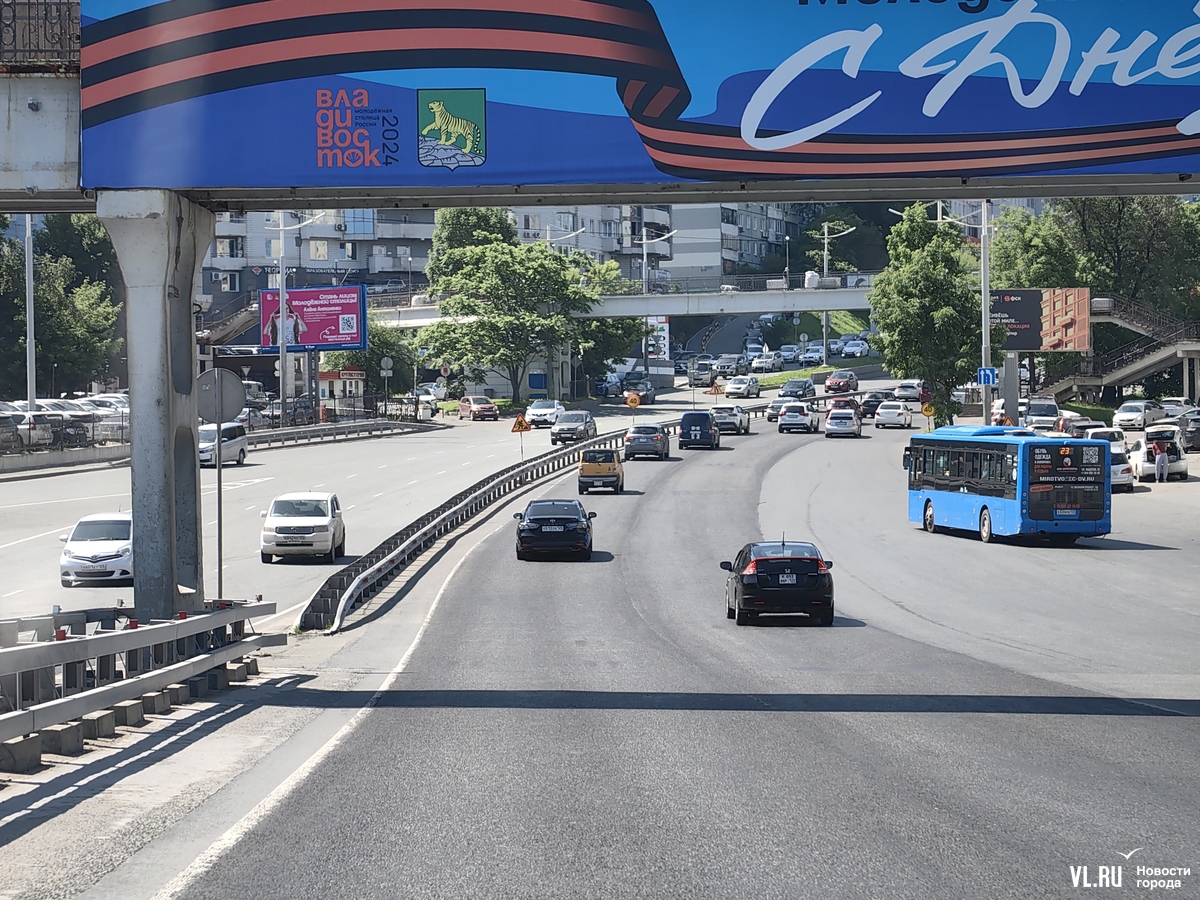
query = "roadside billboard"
{"x": 1044, "y": 320}
{"x": 450, "y": 95}
{"x": 320, "y": 318}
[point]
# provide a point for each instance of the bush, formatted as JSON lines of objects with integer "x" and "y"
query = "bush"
{"x": 1099, "y": 413}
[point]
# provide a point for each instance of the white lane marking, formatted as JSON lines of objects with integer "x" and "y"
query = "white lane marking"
{"x": 380, "y": 494}
{"x": 467, "y": 463}
{"x": 355, "y": 475}
{"x": 384, "y": 466}
{"x": 322, "y": 484}
{"x": 248, "y": 508}
{"x": 63, "y": 500}
{"x": 414, "y": 482}
{"x": 13, "y": 593}
{"x": 352, "y": 505}
{"x": 443, "y": 472}
{"x": 491, "y": 456}
{"x": 213, "y": 522}
{"x": 240, "y": 829}
{"x": 34, "y": 537}
{"x": 410, "y": 459}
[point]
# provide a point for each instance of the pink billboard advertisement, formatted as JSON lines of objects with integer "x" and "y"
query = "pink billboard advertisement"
{"x": 320, "y": 318}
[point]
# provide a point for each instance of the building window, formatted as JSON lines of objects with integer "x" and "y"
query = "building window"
{"x": 533, "y": 223}
{"x": 273, "y": 281}
{"x": 348, "y": 249}
{"x": 274, "y": 248}
{"x": 565, "y": 222}
{"x": 318, "y": 250}
{"x": 360, "y": 221}
{"x": 728, "y": 216}
{"x": 231, "y": 282}
{"x": 608, "y": 228}
{"x": 379, "y": 250}
{"x": 230, "y": 248}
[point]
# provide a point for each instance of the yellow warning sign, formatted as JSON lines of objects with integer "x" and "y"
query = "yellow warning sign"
{"x": 928, "y": 410}
{"x": 633, "y": 401}
{"x": 521, "y": 425}
{"x": 717, "y": 388}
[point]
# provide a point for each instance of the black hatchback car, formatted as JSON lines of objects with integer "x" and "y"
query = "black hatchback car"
{"x": 699, "y": 429}
{"x": 1189, "y": 427}
{"x": 779, "y": 578}
{"x": 799, "y": 388}
{"x": 871, "y": 402}
{"x": 554, "y": 526}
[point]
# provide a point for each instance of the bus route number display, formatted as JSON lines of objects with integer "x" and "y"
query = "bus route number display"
{"x": 1066, "y": 482}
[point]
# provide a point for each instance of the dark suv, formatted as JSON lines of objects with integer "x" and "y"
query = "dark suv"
{"x": 699, "y": 429}
{"x": 800, "y": 388}
{"x": 299, "y": 412}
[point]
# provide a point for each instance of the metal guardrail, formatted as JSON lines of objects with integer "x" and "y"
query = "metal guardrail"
{"x": 347, "y": 588}
{"x": 39, "y": 35}
{"x": 56, "y": 681}
{"x": 717, "y": 284}
{"x": 306, "y": 433}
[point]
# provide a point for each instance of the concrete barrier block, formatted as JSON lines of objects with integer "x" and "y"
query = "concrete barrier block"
{"x": 156, "y": 703}
{"x": 99, "y": 724}
{"x": 198, "y": 686}
{"x": 65, "y": 740}
{"x": 251, "y": 665}
{"x": 22, "y": 754}
{"x": 179, "y": 693}
{"x": 237, "y": 672}
{"x": 218, "y": 679}
{"x": 130, "y": 713}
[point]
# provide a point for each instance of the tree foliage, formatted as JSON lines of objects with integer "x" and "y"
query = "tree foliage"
{"x": 928, "y": 309}
{"x": 456, "y": 228}
{"x": 82, "y": 238}
{"x": 381, "y": 341}
{"x": 73, "y": 320}
{"x": 507, "y": 307}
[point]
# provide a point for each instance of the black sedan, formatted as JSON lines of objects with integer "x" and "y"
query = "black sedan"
{"x": 779, "y": 578}
{"x": 871, "y": 402}
{"x": 554, "y": 526}
{"x": 798, "y": 389}
{"x": 1189, "y": 428}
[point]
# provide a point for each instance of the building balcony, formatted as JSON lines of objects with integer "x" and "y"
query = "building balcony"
{"x": 230, "y": 228}
{"x": 405, "y": 231}
{"x": 655, "y": 216}
{"x": 398, "y": 265}
{"x": 227, "y": 263}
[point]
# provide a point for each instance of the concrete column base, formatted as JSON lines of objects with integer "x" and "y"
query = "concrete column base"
{"x": 198, "y": 686}
{"x": 23, "y": 754}
{"x": 179, "y": 693}
{"x": 65, "y": 740}
{"x": 156, "y": 703}
{"x": 237, "y": 672}
{"x": 218, "y": 679}
{"x": 130, "y": 713}
{"x": 99, "y": 724}
{"x": 251, "y": 665}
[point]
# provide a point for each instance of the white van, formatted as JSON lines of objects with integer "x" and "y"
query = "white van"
{"x": 234, "y": 445}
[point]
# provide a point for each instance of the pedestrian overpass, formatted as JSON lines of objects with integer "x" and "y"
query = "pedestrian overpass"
{"x": 186, "y": 109}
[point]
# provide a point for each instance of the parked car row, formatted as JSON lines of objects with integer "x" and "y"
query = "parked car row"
{"x": 63, "y": 423}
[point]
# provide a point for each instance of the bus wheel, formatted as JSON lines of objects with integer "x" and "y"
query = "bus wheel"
{"x": 985, "y": 526}
{"x": 930, "y": 524}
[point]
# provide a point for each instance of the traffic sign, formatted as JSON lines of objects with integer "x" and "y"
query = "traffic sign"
{"x": 385, "y": 363}
{"x": 804, "y": 338}
{"x": 987, "y": 377}
{"x": 220, "y": 395}
{"x": 633, "y": 401}
{"x": 422, "y": 351}
{"x": 929, "y": 410}
{"x": 445, "y": 370}
{"x": 385, "y": 373}
{"x": 796, "y": 318}
{"x": 521, "y": 426}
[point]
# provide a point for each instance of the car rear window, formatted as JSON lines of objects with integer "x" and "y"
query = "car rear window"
{"x": 694, "y": 419}
{"x": 644, "y": 429}
{"x": 790, "y": 549}
{"x": 552, "y": 509}
{"x": 891, "y": 405}
{"x": 599, "y": 456}
{"x": 840, "y": 414}
{"x": 1119, "y": 458}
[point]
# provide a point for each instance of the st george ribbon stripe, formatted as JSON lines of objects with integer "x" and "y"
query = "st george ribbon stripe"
{"x": 183, "y": 49}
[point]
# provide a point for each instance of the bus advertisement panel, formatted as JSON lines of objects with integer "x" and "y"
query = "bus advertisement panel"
{"x": 1009, "y": 481}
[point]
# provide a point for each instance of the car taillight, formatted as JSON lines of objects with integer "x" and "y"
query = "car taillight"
{"x": 1124, "y": 470}
{"x": 629, "y": 437}
{"x": 821, "y": 567}
{"x": 658, "y": 437}
{"x": 751, "y": 569}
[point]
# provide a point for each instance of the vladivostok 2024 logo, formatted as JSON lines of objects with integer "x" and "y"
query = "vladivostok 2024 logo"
{"x": 451, "y": 128}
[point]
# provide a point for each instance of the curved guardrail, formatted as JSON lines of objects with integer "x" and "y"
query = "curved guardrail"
{"x": 307, "y": 433}
{"x": 348, "y": 588}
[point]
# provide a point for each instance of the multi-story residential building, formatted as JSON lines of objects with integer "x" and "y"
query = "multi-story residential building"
{"x": 716, "y": 238}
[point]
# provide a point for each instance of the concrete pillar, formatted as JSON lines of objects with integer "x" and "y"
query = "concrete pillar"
{"x": 161, "y": 239}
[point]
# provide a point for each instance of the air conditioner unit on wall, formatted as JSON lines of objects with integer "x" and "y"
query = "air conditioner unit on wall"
{"x": 339, "y": 226}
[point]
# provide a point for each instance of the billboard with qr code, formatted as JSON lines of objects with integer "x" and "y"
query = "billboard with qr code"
{"x": 320, "y": 318}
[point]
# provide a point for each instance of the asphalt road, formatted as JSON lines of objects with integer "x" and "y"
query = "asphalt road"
{"x": 383, "y": 484}
{"x": 600, "y": 729}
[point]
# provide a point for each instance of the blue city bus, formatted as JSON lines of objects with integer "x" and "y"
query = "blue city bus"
{"x": 1009, "y": 481}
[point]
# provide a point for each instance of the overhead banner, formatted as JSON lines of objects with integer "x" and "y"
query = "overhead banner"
{"x": 189, "y": 94}
{"x": 325, "y": 318}
{"x": 1044, "y": 320}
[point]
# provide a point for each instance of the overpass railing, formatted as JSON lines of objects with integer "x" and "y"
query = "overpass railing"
{"x": 39, "y": 35}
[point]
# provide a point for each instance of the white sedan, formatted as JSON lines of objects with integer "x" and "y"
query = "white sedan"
{"x": 544, "y": 412}
{"x": 743, "y": 386}
{"x": 732, "y": 418}
{"x": 893, "y": 412}
{"x": 438, "y": 391}
{"x": 1137, "y": 415}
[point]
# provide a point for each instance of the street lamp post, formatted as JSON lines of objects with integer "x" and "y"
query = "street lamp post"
{"x": 410, "y": 284}
{"x": 284, "y": 374}
{"x": 829, "y": 237}
{"x": 30, "y": 346}
{"x": 53, "y": 378}
{"x": 787, "y": 264}
{"x": 645, "y": 242}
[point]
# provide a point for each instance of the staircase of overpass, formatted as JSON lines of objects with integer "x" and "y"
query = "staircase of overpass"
{"x": 1166, "y": 340}
{"x": 228, "y": 321}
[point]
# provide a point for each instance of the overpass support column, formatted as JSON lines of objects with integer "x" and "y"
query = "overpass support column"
{"x": 160, "y": 239}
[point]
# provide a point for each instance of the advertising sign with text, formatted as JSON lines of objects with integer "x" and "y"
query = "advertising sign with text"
{"x": 1044, "y": 320}
{"x": 449, "y": 94}
{"x": 321, "y": 318}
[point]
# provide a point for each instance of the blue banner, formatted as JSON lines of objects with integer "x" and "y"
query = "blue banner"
{"x": 192, "y": 94}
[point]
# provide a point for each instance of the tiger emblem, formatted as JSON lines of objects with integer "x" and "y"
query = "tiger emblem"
{"x": 451, "y": 128}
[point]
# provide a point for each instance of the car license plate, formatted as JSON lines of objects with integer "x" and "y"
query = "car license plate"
{"x": 787, "y": 579}
{"x": 93, "y": 567}
{"x": 599, "y": 482}
{"x": 552, "y": 528}
{"x": 293, "y": 540}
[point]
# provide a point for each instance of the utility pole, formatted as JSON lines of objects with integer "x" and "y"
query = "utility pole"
{"x": 829, "y": 237}
{"x": 787, "y": 264}
{"x": 986, "y": 286}
{"x": 30, "y": 346}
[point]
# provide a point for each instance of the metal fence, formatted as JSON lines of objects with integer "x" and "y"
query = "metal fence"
{"x": 63, "y": 676}
{"x": 39, "y": 35}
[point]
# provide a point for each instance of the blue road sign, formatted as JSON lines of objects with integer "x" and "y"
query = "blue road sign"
{"x": 987, "y": 378}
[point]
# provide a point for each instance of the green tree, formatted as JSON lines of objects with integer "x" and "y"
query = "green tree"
{"x": 74, "y": 321}
{"x": 455, "y": 228}
{"x": 82, "y": 238}
{"x": 382, "y": 341}
{"x": 1032, "y": 252}
{"x": 508, "y": 306}
{"x": 927, "y": 307}
{"x": 597, "y": 345}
